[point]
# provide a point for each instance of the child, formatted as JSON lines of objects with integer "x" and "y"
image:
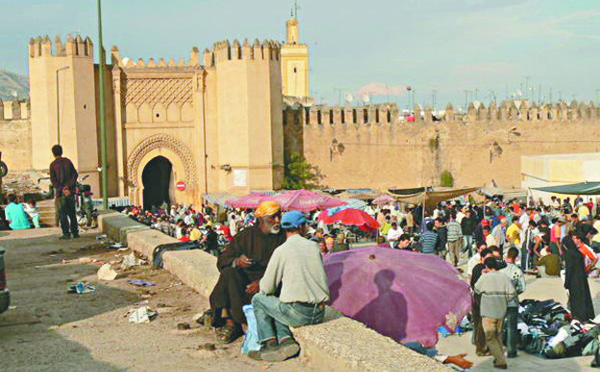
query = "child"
{"x": 34, "y": 213}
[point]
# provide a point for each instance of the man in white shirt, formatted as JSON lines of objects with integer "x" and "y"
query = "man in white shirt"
{"x": 295, "y": 271}
{"x": 394, "y": 234}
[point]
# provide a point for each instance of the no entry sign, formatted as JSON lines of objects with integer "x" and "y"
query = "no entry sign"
{"x": 180, "y": 186}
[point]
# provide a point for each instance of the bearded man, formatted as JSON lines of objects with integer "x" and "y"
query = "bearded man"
{"x": 241, "y": 266}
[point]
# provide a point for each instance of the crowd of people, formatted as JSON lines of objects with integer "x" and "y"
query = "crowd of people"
{"x": 492, "y": 243}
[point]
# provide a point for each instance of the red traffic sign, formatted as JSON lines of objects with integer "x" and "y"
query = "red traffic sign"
{"x": 180, "y": 186}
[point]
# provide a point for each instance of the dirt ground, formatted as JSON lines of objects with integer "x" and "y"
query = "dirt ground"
{"x": 48, "y": 329}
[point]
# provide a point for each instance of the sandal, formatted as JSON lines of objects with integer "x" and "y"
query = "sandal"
{"x": 228, "y": 334}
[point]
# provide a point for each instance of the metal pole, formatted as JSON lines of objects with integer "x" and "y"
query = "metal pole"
{"x": 103, "y": 149}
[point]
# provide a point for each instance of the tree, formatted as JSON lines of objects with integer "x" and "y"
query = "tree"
{"x": 447, "y": 179}
{"x": 300, "y": 174}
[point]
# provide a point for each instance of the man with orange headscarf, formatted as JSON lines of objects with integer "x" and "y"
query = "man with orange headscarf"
{"x": 241, "y": 266}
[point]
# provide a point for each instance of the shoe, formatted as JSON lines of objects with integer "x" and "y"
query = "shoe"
{"x": 229, "y": 334}
{"x": 65, "y": 237}
{"x": 501, "y": 366}
{"x": 288, "y": 348}
{"x": 269, "y": 346}
{"x": 75, "y": 236}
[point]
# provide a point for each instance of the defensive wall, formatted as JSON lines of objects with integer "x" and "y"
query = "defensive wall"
{"x": 339, "y": 344}
{"x": 370, "y": 146}
{"x": 15, "y": 135}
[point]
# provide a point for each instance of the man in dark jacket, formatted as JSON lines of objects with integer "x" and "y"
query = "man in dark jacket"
{"x": 64, "y": 180}
{"x": 468, "y": 225}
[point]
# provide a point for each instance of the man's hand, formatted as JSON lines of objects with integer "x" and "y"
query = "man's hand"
{"x": 253, "y": 287}
{"x": 459, "y": 360}
{"x": 243, "y": 262}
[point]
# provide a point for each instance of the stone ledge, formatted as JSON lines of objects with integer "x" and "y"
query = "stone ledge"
{"x": 144, "y": 241}
{"x": 339, "y": 344}
{"x": 117, "y": 226}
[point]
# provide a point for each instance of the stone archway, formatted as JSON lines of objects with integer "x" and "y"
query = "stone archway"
{"x": 173, "y": 150}
{"x": 156, "y": 181}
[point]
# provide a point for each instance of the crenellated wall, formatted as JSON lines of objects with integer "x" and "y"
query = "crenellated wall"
{"x": 371, "y": 146}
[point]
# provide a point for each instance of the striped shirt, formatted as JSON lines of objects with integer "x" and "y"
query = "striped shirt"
{"x": 427, "y": 242}
{"x": 454, "y": 231}
{"x": 496, "y": 290}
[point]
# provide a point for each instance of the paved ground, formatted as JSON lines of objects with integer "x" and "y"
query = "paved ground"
{"x": 51, "y": 330}
{"x": 538, "y": 289}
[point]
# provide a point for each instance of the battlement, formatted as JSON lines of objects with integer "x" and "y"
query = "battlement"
{"x": 516, "y": 111}
{"x": 221, "y": 51}
{"x": 225, "y": 51}
{"x": 14, "y": 110}
{"x": 74, "y": 46}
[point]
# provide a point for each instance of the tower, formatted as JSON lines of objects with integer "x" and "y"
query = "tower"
{"x": 63, "y": 103}
{"x": 294, "y": 63}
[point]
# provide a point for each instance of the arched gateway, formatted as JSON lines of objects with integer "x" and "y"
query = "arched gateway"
{"x": 155, "y": 165}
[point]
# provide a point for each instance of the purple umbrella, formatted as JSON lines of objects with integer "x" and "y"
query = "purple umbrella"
{"x": 400, "y": 294}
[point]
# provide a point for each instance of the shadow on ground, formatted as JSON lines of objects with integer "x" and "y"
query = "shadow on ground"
{"x": 38, "y": 291}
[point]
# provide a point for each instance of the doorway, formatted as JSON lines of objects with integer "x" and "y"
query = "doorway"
{"x": 156, "y": 178}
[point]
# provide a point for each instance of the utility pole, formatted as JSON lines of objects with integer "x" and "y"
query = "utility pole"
{"x": 466, "y": 99}
{"x": 433, "y": 98}
{"x": 527, "y": 85}
{"x": 339, "y": 91}
{"x": 103, "y": 148}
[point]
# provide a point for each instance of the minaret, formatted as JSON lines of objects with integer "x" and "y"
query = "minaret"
{"x": 294, "y": 61}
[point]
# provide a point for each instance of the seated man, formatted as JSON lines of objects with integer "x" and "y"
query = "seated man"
{"x": 15, "y": 214}
{"x": 293, "y": 292}
{"x": 242, "y": 265}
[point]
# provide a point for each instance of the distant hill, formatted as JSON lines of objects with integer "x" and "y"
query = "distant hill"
{"x": 10, "y": 83}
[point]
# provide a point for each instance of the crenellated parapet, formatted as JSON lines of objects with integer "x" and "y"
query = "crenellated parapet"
{"x": 477, "y": 112}
{"x": 14, "y": 110}
{"x": 220, "y": 52}
{"x": 74, "y": 46}
{"x": 225, "y": 51}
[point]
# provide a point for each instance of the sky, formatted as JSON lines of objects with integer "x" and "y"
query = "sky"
{"x": 445, "y": 50}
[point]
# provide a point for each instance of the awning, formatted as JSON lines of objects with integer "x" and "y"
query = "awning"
{"x": 432, "y": 197}
{"x": 218, "y": 198}
{"x": 583, "y": 188}
{"x": 491, "y": 191}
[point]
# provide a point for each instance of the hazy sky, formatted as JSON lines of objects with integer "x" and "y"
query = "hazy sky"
{"x": 447, "y": 45}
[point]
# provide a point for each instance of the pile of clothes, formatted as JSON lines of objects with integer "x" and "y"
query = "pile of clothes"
{"x": 548, "y": 329}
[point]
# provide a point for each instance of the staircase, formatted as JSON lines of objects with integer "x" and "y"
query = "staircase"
{"x": 48, "y": 216}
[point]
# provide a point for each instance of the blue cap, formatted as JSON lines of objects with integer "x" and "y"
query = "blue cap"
{"x": 292, "y": 219}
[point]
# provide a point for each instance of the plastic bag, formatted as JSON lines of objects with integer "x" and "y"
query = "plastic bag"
{"x": 250, "y": 342}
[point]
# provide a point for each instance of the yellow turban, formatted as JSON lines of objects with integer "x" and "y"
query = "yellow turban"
{"x": 267, "y": 208}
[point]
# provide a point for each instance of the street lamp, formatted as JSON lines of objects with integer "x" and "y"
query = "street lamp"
{"x": 103, "y": 149}
{"x": 58, "y": 103}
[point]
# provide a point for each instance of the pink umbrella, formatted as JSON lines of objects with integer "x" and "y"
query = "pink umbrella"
{"x": 248, "y": 201}
{"x": 400, "y": 294}
{"x": 306, "y": 201}
{"x": 383, "y": 199}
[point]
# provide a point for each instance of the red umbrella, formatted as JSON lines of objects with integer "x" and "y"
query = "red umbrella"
{"x": 248, "y": 201}
{"x": 350, "y": 216}
{"x": 306, "y": 201}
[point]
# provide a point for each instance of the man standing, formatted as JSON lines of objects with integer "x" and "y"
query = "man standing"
{"x": 496, "y": 292}
{"x": 576, "y": 279}
{"x": 514, "y": 273}
{"x": 241, "y": 267}
{"x": 63, "y": 177}
{"x": 455, "y": 239}
{"x": 296, "y": 273}
{"x": 468, "y": 225}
